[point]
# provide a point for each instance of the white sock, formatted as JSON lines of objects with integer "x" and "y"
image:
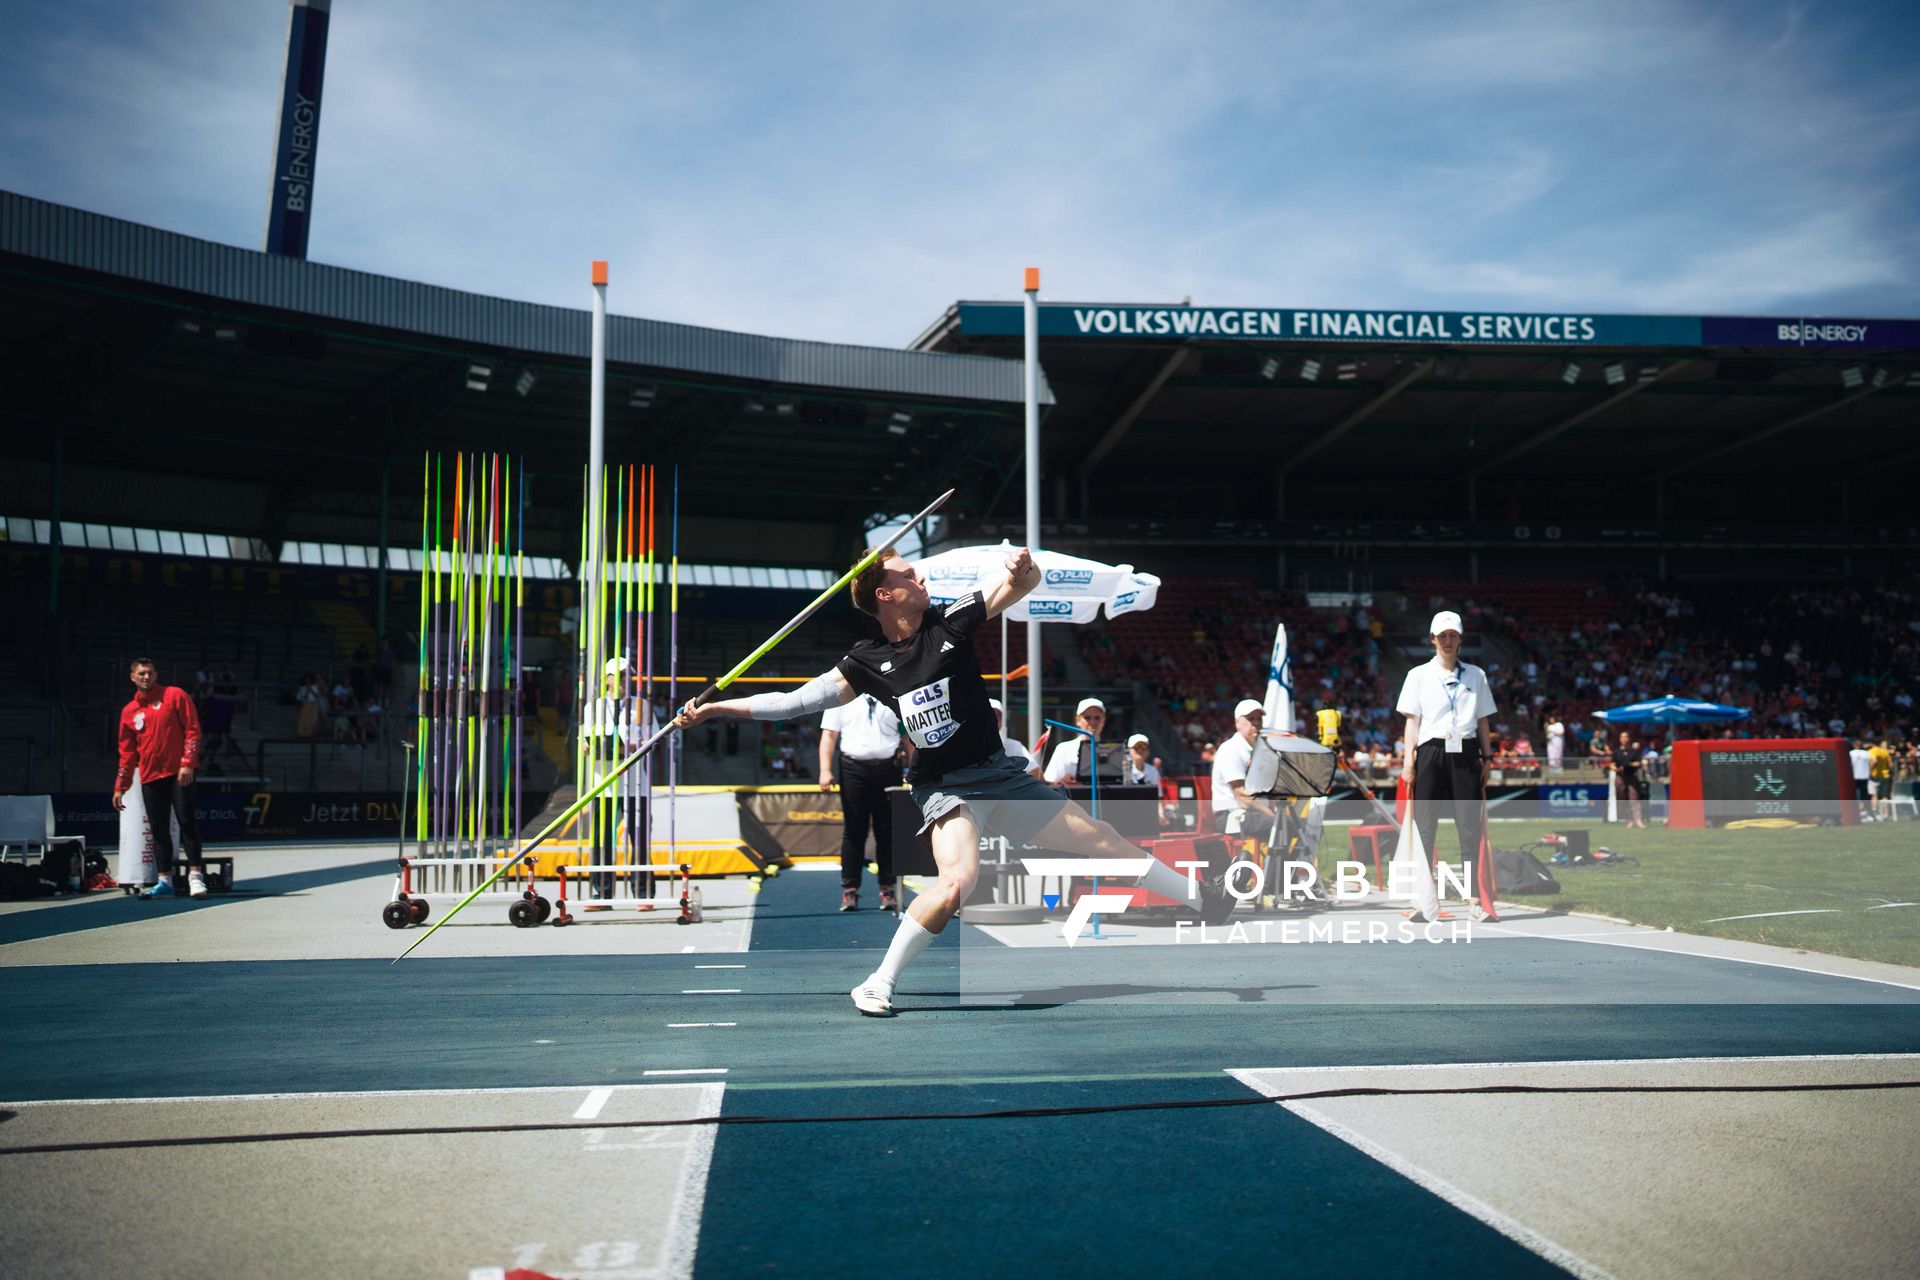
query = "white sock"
{"x": 909, "y": 940}
{"x": 1171, "y": 882}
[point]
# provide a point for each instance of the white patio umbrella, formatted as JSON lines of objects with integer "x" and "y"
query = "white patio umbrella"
{"x": 1072, "y": 589}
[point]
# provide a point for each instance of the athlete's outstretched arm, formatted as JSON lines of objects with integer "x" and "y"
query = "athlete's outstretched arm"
{"x": 816, "y": 695}
{"x": 1023, "y": 575}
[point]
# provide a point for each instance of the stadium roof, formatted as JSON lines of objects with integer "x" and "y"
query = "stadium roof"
{"x": 274, "y": 391}
{"x": 1290, "y": 414}
{"x": 273, "y": 395}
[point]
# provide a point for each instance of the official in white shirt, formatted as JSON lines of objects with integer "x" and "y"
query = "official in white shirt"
{"x": 615, "y": 723}
{"x": 1232, "y": 759}
{"x": 1447, "y": 704}
{"x": 867, "y": 733}
{"x": 1064, "y": 765}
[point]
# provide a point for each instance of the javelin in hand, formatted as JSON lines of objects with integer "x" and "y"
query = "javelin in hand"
{"x": 706, "y": 695}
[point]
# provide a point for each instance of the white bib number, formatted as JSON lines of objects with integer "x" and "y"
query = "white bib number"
{"x": 927, "y": 714}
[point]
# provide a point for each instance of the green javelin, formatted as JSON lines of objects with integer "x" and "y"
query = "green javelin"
{"x": 705, "y": 696}
{"x": 420, "y": 723}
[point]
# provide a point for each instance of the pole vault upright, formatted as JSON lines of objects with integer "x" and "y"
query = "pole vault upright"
{"x": 1034, "y": 717}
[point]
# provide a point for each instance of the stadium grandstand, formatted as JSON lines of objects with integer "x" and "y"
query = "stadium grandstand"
{"x": 208, "y": 447}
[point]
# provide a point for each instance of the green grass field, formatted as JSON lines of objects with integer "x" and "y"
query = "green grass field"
{"x": 1690, "y": 880}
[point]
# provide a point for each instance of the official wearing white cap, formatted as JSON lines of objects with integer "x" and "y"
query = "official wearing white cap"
{"x": 1063, "y": 766}
{"x": 1139, "y": 769}
{"x": 1447, "y": 704}
{"x": 1231, "y": 760}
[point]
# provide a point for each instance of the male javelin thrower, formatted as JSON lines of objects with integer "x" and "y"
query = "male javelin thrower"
{"x": 924, "y": 665}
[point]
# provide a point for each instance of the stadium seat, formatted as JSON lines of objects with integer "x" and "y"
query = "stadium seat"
{"x": 1368, "y": 838}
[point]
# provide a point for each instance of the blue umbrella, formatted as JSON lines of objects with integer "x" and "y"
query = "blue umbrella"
{"x": 1672, "y": 710}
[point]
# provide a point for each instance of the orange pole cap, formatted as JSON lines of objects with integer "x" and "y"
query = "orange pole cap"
{"x": 1033, "y": 280}
{"x": 599, "y": 272}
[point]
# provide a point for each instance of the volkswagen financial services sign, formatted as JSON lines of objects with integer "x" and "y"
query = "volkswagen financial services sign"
{"x": 1300, "y": 324}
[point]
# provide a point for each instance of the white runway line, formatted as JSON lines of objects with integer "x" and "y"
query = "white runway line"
{"x": 1767, "y": 915}
{"x": 719, "y": 966}
{"x": 711, "y": 991}
{"x": 1640, "y": 937}
{"x": 1766, "y": 964}
{"x": 703, "y": 1024}
{"x": 687, "y": 1071}
{"x": 590, "y": 1109}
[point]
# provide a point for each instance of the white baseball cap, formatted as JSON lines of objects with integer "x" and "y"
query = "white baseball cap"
{"x": 1137, "y": 740}
{"x": 995, "y": 704}
{"x": 616, "y": 665}
{"x": 1445, "y": 620}
{"x": 1088, "y": 703}
{"x": 1246, "y": 707}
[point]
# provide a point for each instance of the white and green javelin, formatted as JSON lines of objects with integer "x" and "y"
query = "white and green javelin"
{"x": 705, "y": 696}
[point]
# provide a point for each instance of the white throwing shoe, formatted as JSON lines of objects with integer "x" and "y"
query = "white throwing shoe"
{"x": 874, "y": 998}
{"x": 196, "y": 885}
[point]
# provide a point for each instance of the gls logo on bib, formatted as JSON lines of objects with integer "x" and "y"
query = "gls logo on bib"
{"x": 927, "y": 714}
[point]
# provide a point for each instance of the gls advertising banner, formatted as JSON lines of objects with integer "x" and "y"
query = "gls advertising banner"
{"x": 1095, "y": 320}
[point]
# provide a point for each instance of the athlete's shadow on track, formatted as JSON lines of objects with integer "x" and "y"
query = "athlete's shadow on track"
{"x": 1058, "y": 996}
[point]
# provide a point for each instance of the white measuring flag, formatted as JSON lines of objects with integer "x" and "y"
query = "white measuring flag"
{"x": 1410, "y": 876}
{"x": 1279, "y": 700}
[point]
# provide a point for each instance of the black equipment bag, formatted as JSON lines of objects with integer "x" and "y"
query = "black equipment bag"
{"x": 1518, "y": 872}
{"x": 18, "y": 882}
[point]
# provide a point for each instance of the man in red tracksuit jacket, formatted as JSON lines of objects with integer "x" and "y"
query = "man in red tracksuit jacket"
{"x": 160, "y": 734}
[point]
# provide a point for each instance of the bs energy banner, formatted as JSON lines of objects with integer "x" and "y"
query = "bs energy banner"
{"x": 290, "y": 208}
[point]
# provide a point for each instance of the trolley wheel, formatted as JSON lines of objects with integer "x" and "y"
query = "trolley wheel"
{"x": 541, "y": 910}
{"x": 522, "y": 914}
{"x": 396, "y": 915}
{"x": 562, "y": 918}
{"x": 420, "y": 909}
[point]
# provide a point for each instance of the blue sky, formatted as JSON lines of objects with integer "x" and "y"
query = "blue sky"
{"x": 843, "y": 171}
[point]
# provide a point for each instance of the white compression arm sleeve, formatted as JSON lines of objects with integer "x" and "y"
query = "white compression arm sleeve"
{"x": 815, "y": 696}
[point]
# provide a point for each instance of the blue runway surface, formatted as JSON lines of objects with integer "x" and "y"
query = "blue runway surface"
{"x": 1174, "y": 1191}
